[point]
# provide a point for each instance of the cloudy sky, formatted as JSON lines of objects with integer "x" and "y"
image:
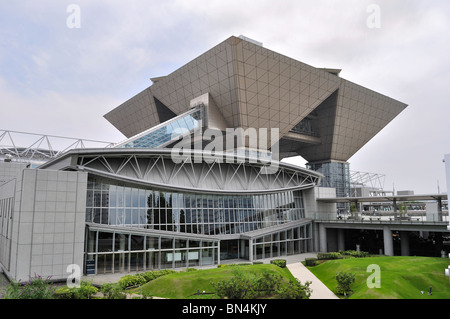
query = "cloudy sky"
{"x": 59, "y": 74}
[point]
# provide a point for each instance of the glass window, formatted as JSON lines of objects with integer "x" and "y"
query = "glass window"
{"x": 112, "y": 196}
{"x": 97, "y": 198}
{"x": 89, "y": 198}
{"x": 127, "y": 197}
{"x": 152, "y": 243}
{"x": 105, "y": 199}
{"x": 105, "y": 242}
{"x": 105, "y": 216}
{"x": 112, "y": 216}
{"x": 134, "y": 198}
{"x": 121, "y": 242}
{"x": 180, "y": 243}
{"x": 120, "y": 218}
{"x": 166, "y": 243}
{"x": 120, "y": 191}
{"x": 137, "y": 242}
{"x": 96, "y": 217}
{"x": 135, "y": 216}
{"x": 127, "y": 212}
{"x": 89, "y": 214}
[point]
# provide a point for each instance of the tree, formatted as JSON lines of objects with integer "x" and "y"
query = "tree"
{"x": 246, "y": 286}
{"x": 238, "y": 287}
{"x": 344, "y": 281}
{"x": 295, "y": 290}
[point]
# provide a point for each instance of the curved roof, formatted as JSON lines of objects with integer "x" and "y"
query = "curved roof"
{"x": 195, "y": 171}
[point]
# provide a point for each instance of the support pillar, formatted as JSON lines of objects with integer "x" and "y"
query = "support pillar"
{"x": 404, "y": 243}
{"x": 322, "y": 238}
{"x": 388, "y": 242}
{"x": 341, "y": 239}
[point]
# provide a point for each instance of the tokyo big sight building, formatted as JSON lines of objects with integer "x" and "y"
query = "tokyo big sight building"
{"x": 137, "y": 207}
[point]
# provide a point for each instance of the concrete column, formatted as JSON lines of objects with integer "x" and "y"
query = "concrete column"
{"x": 322, "y": 238}
{"x": 122, "y": 254}
{"x": 341, "y": 239}
{"x": 216, "y": 252}
{"x": 250, "y": 250}
{"x": 404, "y": 242}
{"x": 388, "y": 242}
{"x": 315, "y": 238}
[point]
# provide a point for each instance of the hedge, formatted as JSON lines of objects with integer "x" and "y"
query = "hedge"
{"x": 279, "y": 262}
{"x": 331, "y": 255}
{"x": 142, "y": 278}
{"x": 354, "y": 253}
{"x": 310, "y": 262}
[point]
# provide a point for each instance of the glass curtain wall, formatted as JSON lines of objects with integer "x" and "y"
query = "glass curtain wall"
{"x": 336, "y": 175}
{"x": 118, "y": 252}
{"x": 113, "y": 204}
{"x": 292, "y": 241}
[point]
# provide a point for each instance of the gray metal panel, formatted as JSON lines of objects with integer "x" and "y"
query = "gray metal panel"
{"x": 255, "y": 87}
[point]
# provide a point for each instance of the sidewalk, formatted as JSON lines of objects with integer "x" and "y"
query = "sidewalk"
{"x": 319, "y": 290}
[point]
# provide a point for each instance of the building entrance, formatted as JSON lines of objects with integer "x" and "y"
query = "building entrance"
{"x": 234, "y": 249}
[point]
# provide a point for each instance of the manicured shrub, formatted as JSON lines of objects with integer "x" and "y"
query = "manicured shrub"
{"x": 354, "y": 253}
{"x": 295, "y": 290}
{"x": 238, "y": 287}
{"x": 247, "y": 286}
{"x": 85, "y": 291}
{"x": 328, "y": 256}
{"x": 131, "y": 280}
{"x": 142, "y": 278}
{"x": 112, "y": 291}
{"x": 279, "y": 262}
{"x": 344, "y": 281}
{"x": 310, "y": 262}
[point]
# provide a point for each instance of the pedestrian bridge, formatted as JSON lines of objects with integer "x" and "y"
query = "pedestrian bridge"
{"x": 330, "y": 227}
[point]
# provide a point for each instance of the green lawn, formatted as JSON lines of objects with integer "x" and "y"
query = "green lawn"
{"x": 183, "y": 285}
{"x": 401, "y": 277}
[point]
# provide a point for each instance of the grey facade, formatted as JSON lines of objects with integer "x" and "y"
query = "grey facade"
{"x": 255, "y": 87}
{"x": 42, "y": 221}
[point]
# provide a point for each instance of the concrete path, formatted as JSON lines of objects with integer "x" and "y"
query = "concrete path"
{"x": 319, "y": 290}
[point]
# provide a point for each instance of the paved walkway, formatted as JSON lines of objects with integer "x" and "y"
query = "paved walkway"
{"x": 319, "y": 290}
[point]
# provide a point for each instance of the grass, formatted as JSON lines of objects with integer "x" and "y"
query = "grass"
{"x": 401, "y": 277}
{"x": 184, "y": 285}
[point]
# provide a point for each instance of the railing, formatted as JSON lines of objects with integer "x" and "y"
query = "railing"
{"x": 32, "y": 147}
{"x": 390, "y": 217}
